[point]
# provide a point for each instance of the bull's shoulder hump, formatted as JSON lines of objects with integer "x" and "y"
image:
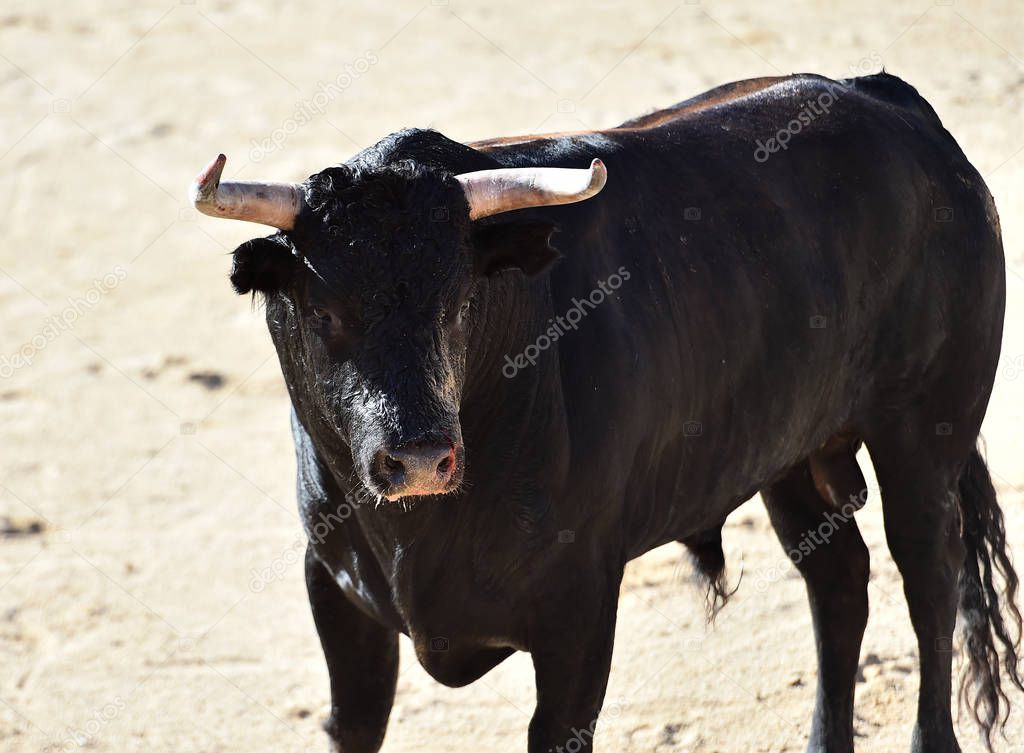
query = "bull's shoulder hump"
{"x": 720, "y": 95}
{"x": 776, "y": 87}
{"x": 756, "y": 97}
{"x": 717, "y": 96}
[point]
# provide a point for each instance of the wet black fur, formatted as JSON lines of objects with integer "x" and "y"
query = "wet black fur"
{"x": 769, "y": 306}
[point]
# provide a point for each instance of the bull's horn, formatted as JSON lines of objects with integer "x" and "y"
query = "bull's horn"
{"x": 502, "y": 190}
{"x": 274, "y": 204}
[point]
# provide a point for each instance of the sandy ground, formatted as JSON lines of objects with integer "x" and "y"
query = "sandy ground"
{"x": 151, "y": 594}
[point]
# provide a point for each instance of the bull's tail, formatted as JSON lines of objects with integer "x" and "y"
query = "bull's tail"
{"x": 990, "y": 616}
{"x": 709, "y": 567}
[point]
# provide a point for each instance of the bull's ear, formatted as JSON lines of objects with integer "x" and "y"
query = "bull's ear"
{"x": 522, "y": 245}
{"x": 262, "y": 265}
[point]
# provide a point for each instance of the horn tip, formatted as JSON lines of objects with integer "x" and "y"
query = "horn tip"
{"x": 205, "y": 185}
{"x": 213, "y": 170}
{"x": 598, "y": 175}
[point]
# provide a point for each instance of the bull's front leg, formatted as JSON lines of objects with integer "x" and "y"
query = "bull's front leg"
{"x": 362, "y": 661}
{"x": 572, "y": 653}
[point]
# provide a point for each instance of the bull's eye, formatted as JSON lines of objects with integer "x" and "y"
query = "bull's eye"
{"x": 322, "y": 318}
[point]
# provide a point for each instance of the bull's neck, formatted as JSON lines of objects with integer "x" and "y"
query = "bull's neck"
{"x": 516, "y": 411}
{"x": 513, "y": 314}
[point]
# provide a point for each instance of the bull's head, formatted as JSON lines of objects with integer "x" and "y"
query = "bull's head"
{"x": 371, "y": 295}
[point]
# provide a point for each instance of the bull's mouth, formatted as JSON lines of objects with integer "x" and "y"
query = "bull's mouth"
{"x": 393, "y": 493}
{"x": 417, "y": 493}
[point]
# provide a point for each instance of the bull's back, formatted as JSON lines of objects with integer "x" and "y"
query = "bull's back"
{"x": 767, "y": 299}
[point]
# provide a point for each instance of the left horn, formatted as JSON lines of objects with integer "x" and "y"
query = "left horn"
{"x": 274, "y": 204}
{"x": 491, "y": 192}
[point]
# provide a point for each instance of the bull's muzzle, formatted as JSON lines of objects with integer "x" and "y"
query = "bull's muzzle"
{"x": 417, "y": 469}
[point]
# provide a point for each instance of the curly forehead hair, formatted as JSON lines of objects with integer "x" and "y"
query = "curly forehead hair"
{"x": 386, "y": 233}
{"x": 389, "y": 198}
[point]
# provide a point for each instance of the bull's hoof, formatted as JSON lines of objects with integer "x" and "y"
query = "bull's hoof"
{"x": 352, "y": 740}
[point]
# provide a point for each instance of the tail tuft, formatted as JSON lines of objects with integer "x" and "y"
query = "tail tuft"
{"x": 991, "y": 619}
{"x": 709, "y": 564}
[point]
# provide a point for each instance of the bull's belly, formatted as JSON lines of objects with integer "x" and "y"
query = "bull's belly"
{"x": 687, "y": 491}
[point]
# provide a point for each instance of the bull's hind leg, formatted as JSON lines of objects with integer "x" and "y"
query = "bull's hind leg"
{"x": 362, "y": 661}
{"x": 917, "y": 471}
{"x": 826, "y": 547}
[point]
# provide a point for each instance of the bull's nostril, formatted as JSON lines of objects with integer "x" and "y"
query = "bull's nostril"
{"x": 389, "y": 470}
{"x": 445, "y": 465}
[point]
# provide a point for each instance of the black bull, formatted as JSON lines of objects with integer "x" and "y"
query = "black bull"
{"x": 777, "y": 272}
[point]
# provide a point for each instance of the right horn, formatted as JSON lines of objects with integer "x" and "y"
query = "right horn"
{"x": 274, "y": 204}
{"x": 490, "y": 192}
